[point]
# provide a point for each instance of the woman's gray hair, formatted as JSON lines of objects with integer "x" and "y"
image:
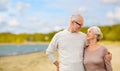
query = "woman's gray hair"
{"x": 97, "y": 31}
{"x": 75, "y": 17}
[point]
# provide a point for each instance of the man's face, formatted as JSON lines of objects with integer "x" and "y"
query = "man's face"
{"x": 77, "y": 25}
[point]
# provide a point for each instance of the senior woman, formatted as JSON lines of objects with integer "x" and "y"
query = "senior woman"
{"x": 94, "y": 57}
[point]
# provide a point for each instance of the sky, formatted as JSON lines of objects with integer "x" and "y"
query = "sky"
{"x": 43, "y": 16}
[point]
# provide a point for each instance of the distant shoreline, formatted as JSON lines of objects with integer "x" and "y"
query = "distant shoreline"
{"x": 22, "y": 54}
{"x": 46, "y": 43}
{"x": 29, "y": 43}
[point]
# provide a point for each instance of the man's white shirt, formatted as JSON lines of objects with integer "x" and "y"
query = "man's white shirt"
{"x": 70, "y": 48}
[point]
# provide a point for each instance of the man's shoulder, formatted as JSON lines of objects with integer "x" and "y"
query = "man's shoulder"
{"x": 60, "y": 33}
{"x": 83, "y": 34}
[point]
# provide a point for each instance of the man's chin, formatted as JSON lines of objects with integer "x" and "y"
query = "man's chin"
{"x": 75, "y": 31}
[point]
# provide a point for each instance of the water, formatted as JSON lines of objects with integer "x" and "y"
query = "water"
{"x": 6, "y": 50}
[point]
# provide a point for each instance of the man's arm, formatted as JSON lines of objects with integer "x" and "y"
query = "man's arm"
{"x": 108, "y": 56}
{"x": 57, "y": 65}
{"x": 53, "y": 59}
{"x": 51, "y": 49}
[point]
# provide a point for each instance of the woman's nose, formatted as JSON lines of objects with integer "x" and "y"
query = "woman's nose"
{"x": 87, "y": 34}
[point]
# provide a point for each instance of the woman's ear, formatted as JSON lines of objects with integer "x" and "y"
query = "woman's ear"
{"x": 96, "y": 36}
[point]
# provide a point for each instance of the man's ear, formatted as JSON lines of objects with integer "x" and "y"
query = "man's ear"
{"x": 72, "y": 23}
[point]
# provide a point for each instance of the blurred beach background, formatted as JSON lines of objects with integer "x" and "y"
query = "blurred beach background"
{"x": 27, "y": 27}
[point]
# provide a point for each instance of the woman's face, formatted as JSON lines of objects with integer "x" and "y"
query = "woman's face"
{"x": 91, "y": 35}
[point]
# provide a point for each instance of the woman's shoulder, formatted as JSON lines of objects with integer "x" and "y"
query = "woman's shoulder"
{"x": 103, "y": 49}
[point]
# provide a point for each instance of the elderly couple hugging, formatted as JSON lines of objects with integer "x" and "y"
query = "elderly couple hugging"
{"x": 78, "y": 51}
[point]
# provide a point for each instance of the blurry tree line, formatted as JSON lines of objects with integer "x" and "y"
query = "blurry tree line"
{"x": 110, "y": 33}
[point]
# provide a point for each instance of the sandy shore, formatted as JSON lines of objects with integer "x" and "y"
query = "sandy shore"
{"x": 27, "y": 62}
{"x": 39, "y": 61}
